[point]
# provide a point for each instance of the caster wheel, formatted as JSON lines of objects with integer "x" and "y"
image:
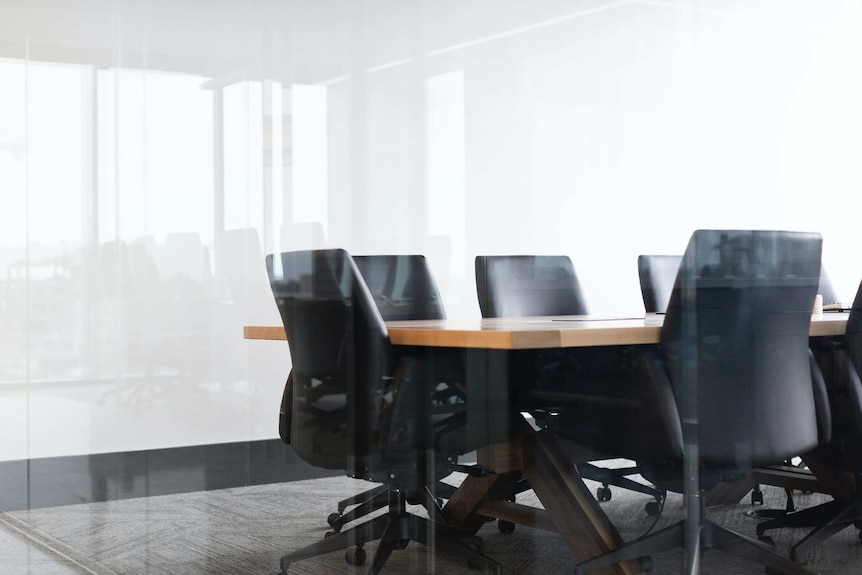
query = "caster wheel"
{"x": 652, "y": 508}
{"x": 505, "y": 526}
{"x": 757, "y": 497}
{"x": 355, "y": 556}
{"x": 334, "y": 521}
{"x": 767, "y": 540}
{"x": 603, "y": 494}
{"x": 328, "y": 534}
{"x": 440, "y": 502}
{"x": 646, "y": 563}
{"x": 402, "y": 544}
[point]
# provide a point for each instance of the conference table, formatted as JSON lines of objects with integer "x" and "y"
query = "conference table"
{"x": 544, "y": 460}
{"x": 538, "y": 332}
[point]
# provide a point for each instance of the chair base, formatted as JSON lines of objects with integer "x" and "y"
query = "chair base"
{"x": 827, "y": 519}
{"x": 712, "y": 536}
{"x": 757, "y": 495}
{"x": 363, "y": 497}
{"x": 370, "y": 501}
{"x": 366, "y": 502}
{"x": 393, "y": 530}
{"x": 618, "y": 478}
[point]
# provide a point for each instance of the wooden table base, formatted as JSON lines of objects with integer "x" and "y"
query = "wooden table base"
{"x": 569, "y": 507}
{"x": 574, "y": 511}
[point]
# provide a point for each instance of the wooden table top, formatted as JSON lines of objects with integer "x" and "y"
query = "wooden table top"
{"x": 538, "y": 332}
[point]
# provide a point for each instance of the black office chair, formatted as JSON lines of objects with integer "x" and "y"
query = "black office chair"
{"x": 657, "y": 275}
{"x": 403, "y": 288}
{"x": 547, "y": 380}
{"x": 361, "y": 405}
{"x": 733, "y": 361}
{"x": 839, "y": 360}
{"x": 830, "y": 296}
{"x": 526, "y": 285}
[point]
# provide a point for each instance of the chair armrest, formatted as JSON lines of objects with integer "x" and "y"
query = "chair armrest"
{"x": 284, "y": 414}
{"x": 390, "y": 400}
{"x": 843, "y": 389}
{"x": 661, "y": 424}
{"x": 821, "y": 401}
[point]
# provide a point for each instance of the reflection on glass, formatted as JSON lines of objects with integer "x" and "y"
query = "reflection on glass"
{"x": 151, "y": 152}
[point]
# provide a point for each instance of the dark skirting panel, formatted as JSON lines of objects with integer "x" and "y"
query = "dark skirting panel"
{"x": 52, "y": 481}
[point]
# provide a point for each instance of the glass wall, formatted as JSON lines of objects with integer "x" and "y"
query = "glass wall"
{"x": 152, "y": 153}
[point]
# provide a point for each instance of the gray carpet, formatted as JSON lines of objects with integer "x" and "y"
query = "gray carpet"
{"x": 245, "y": 531}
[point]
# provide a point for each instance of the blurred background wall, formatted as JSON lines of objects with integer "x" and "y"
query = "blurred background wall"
{"x": 152, "y": 152}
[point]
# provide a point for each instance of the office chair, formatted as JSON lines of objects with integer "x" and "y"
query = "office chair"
{"x": 657, "y": 274}
{"x": 526, "y": 285}
{"x": 830, "y": 296}
{"x": 363, "y": 406}
{"x": 733, "y": 361}
{"x": 839, "y": 361}
{"x": 403, "y": 288}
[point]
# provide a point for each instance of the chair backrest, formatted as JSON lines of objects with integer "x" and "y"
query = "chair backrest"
{"x": 402, "y": 286}
{"x": 523, "y": 286}
{"x": 341, "y": 356}
{"x": 847, "y": 389}
{"x": 735, "y": 343}
{"x": 657, "y": 275}
{"x": 826, "y": 289}
{"x": 854, "y": 329}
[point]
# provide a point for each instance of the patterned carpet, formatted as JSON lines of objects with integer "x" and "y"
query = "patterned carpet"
{"x": 245, "y": 530}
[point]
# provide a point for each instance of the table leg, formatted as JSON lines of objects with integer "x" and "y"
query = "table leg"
{"x": 462, "y": 508}
{"x": 569, "y": 506}
{"x": 730, "y": 492}
{"x": 577, "y": 516}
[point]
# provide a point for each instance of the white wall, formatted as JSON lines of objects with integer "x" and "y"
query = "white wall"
{"x": 152, "y": 152}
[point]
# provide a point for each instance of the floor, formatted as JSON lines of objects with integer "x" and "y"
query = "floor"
{"x": 245, "y": 531}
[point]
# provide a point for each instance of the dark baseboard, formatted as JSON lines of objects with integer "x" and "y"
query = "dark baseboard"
{"x": 51, "y": 481}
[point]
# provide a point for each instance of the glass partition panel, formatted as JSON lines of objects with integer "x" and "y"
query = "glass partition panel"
{"x": 153, "y": 154}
